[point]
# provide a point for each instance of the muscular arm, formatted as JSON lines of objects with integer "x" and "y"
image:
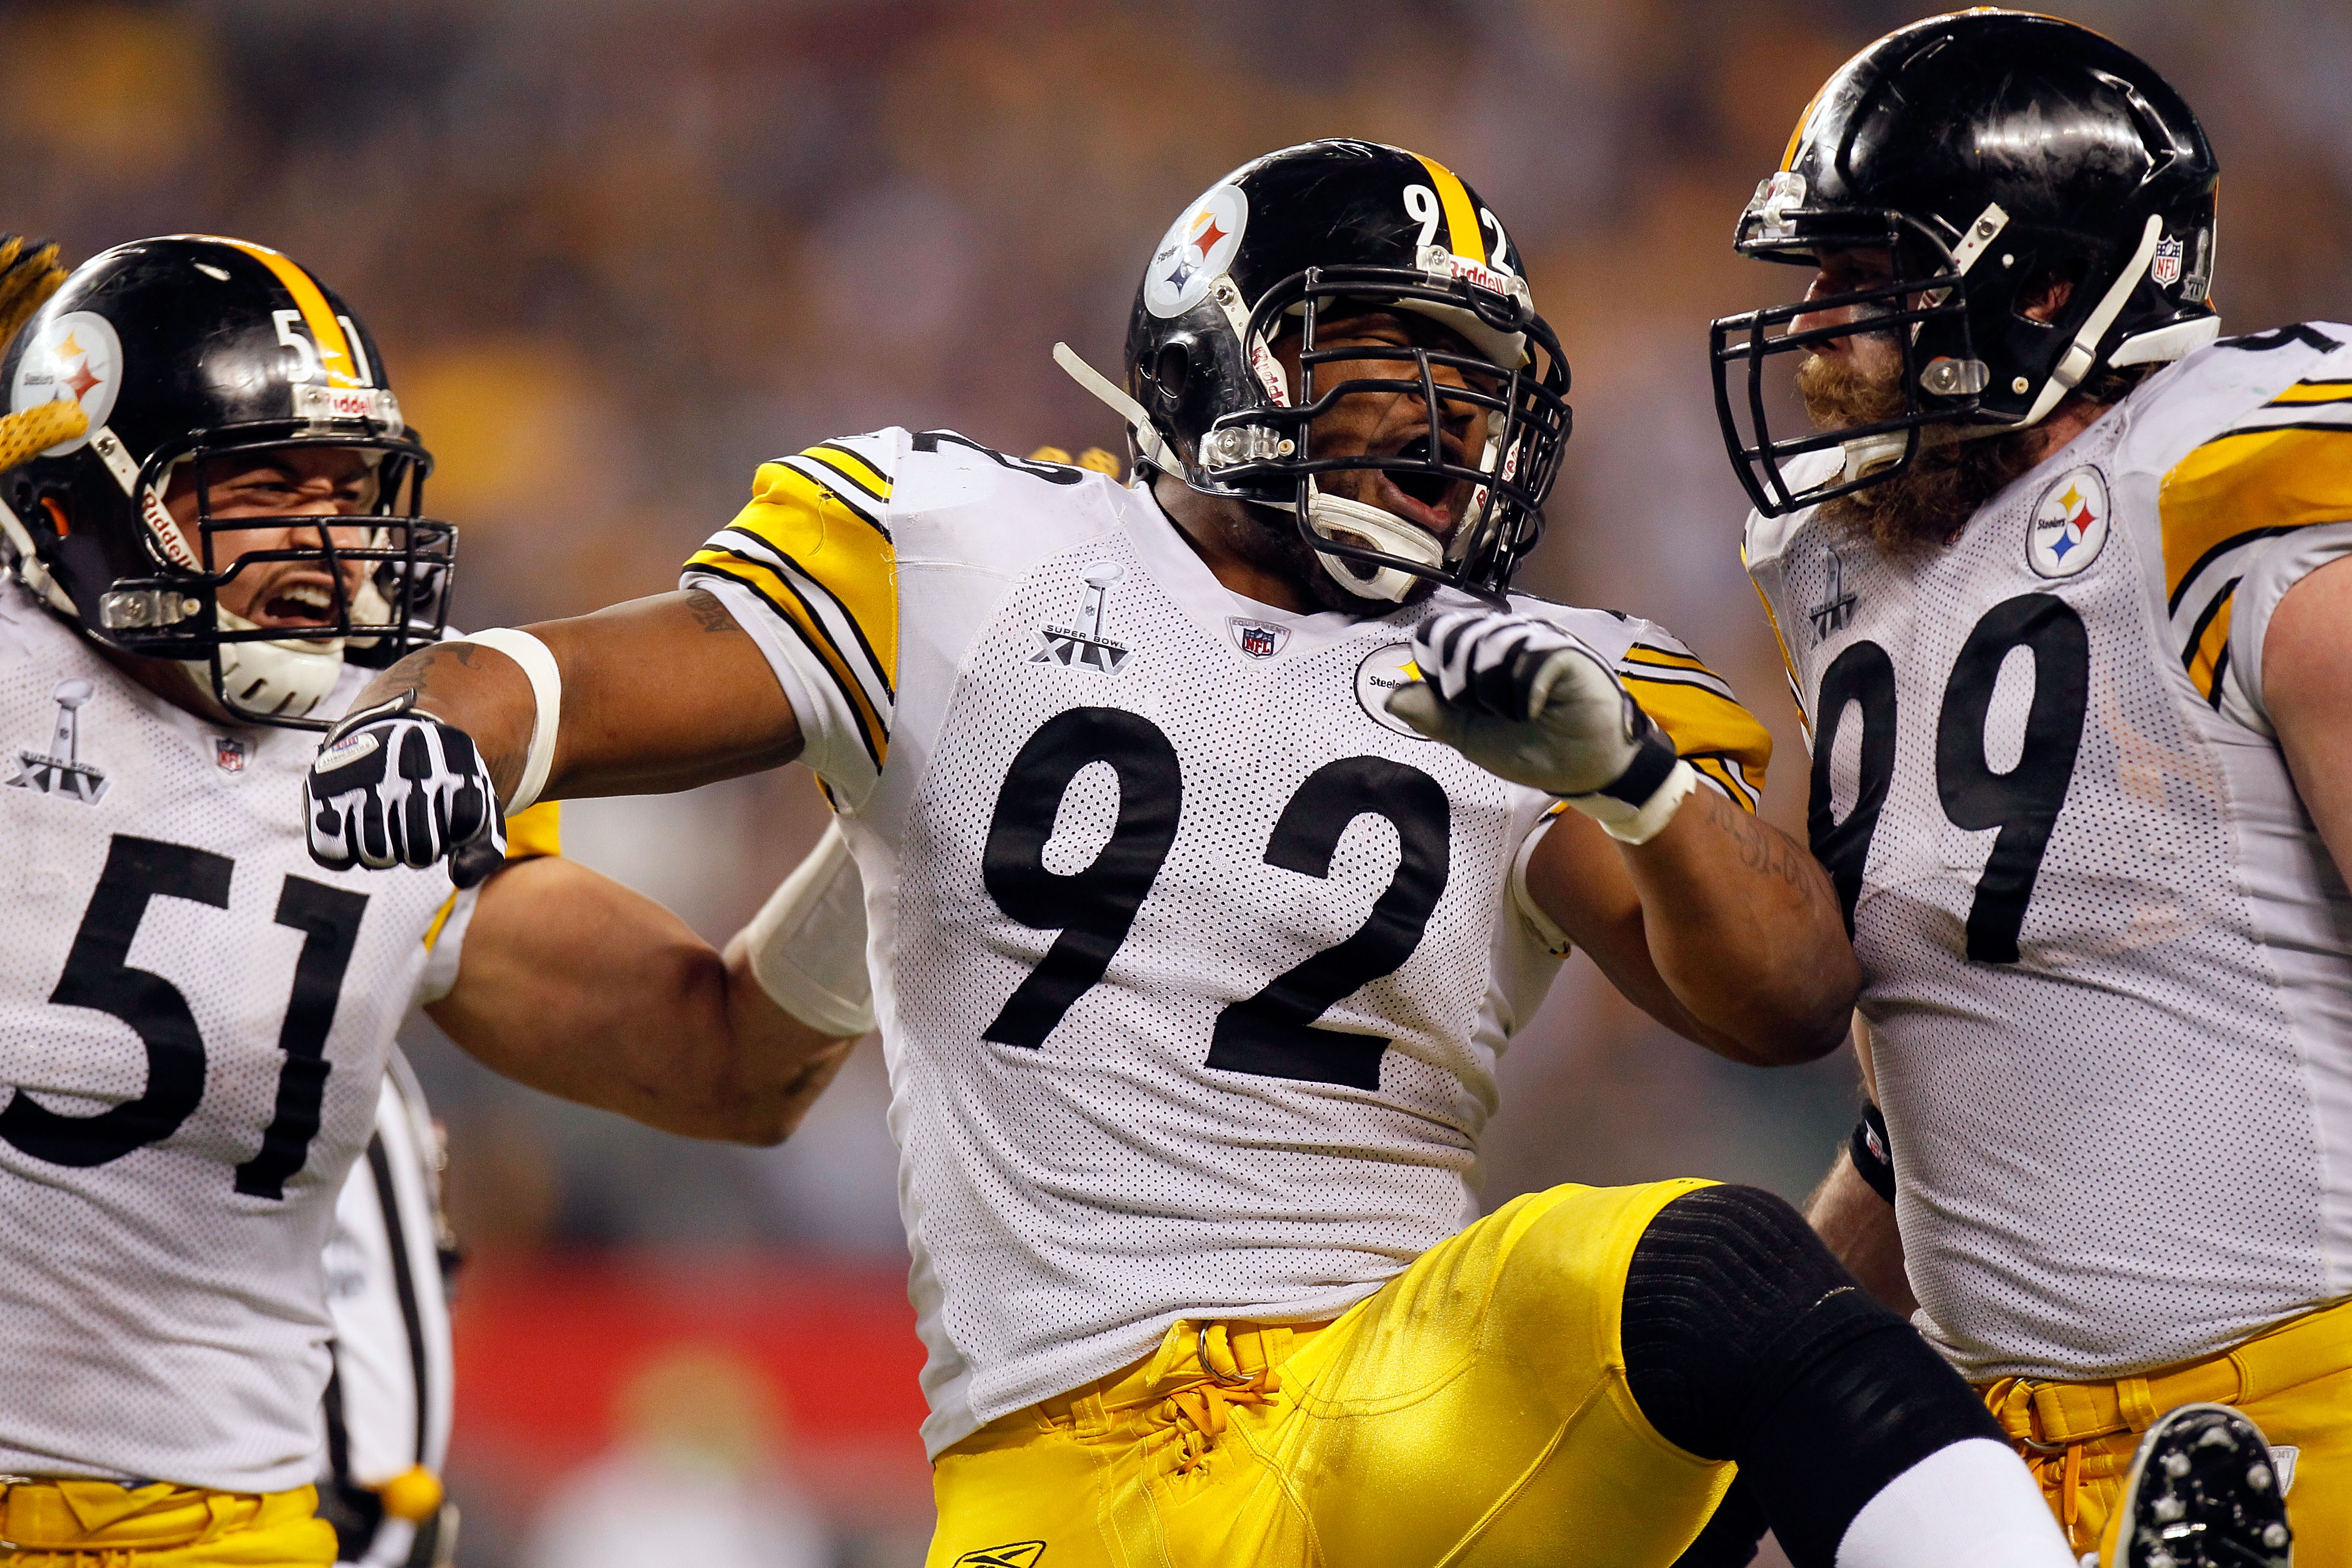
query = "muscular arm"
{"x": 1858, "y": 1228}
{"x": 2306, "y": 673}
{"x": 575, "y": 985}
{"x": 662, "y": 693}
{"x": 1721, "y": 928}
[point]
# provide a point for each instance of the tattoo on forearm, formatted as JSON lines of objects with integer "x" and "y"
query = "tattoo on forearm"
{"x": 1765, "y": 851}
{"x": 709, "y": 613}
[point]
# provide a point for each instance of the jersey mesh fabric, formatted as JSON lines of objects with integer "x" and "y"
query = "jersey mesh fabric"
{"x": 154, "y": 1321}
{"x": 1066, "y": 1202}
{"x": 2113, "y": 1152}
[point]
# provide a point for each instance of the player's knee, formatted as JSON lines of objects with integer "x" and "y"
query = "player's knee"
{"x": 1732, "y": 1299}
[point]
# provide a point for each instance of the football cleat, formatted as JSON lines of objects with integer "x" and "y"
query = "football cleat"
{"x": 2203, "y": 1492}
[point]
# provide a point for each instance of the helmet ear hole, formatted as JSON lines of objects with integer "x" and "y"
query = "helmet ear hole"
{"x": 57, "y": 517}
{"x": 1168, "y": 370}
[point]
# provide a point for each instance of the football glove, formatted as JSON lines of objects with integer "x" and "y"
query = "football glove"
{"x": 396, "y": 787}
{"x": 1536, "y": 705}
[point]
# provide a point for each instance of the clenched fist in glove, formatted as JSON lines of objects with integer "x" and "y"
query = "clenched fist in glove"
{"x": 396, "y": 787}
{"x": 1534, "y": 704}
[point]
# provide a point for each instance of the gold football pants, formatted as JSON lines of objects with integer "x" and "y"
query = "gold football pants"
{"x": 1473, "y": 1410}
{"x": 2293, "y": 1380}
{"x": 97, "y": 1524}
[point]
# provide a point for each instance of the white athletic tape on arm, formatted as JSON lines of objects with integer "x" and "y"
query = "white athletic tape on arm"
{"x": 807, "y": 944}
{"x": 547, "y": 694}
{"x": 1639, "y": 824}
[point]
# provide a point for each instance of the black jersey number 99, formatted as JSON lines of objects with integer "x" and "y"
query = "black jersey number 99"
{"x": 1271, "y": 1034}
{"x": 99, "y": 975}
{"x": 2022, "y": 803}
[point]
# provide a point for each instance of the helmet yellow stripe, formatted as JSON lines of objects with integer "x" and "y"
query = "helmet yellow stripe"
{"x": 326, "y": 332}
{"x": 1460, "y": 218}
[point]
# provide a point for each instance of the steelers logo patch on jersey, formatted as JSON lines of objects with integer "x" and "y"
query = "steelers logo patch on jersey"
{"x": 2070, "y": 525}
{"x": 1384, "y": 670}
{"x": 1200, "y": 245}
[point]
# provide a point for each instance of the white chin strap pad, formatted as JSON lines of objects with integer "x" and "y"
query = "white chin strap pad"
{"x": 284, "y": 679}
{"x": 1330, "y": 516}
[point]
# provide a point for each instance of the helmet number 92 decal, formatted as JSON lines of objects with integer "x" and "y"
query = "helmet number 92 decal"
{"x": 75, "y": 357}
{"x": 1198, "y": 248}
{"x": 1420, "y": 206}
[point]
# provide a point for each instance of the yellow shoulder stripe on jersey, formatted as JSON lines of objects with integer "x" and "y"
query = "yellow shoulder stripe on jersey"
{"x": 842, "y": 460}
{"x": 1706, "y": 726}
{"x": 1462, "y": 228}
{"x": 2208, "y": 654}
{"x": 1665, "y": 658}
{"x": 337, "y": 359}
{"x": 2304, "y": 392}
{"x": 830, "y": 574}
{"x": 2244, "y": 484}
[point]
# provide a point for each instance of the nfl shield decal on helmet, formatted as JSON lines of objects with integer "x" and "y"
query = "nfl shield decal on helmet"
{"x": 2166, "y": 268}
{"x": 1198, "y": 249}
{"x": 1256, "y": 638}
{"x": 2070, "y": 525}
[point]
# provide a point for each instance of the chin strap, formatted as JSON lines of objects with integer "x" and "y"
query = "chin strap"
{"x": 1332, "y": 516}
{"x": 1149, "y": 446}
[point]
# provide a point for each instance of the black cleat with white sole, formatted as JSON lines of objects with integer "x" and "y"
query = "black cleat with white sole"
{"x": 2204, "y": 1493}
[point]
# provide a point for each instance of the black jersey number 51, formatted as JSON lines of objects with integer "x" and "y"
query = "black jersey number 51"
{"x": 2023, "y": 803}
{"x": 99, "y": 975}
{"x": 1271, "y": 1034}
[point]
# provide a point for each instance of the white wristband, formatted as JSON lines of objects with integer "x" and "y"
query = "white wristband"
{"x": 807, "y": 943}
{"x": 1639, "y": 824}
{"x": 547, "y": 696}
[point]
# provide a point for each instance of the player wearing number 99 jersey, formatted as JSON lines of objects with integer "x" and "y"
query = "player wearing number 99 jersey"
{"x": 2056, "y": 677}
{"x": 1212, "y": 841}
{"x": 210, "y": 510}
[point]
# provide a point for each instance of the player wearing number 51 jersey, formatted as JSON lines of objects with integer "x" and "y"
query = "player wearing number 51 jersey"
{"x": 1214, "y": 848}
{"x": 2063, "y": 627}
{"x": 210, "y": 508}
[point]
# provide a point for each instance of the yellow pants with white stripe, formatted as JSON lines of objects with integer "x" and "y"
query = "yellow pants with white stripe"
{"x": 97, "y": 1524}
{"x": 1473, "y": 1411}
{"x": 2293, "y": 1380}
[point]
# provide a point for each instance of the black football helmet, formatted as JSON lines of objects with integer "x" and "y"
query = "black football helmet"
{"x": 1985, "y": 152}
{"x": 194, "y": 349}
{"x": 1297, "y": 236}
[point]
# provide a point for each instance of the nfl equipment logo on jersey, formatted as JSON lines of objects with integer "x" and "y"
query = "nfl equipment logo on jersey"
{"x": 229, "y": 753}
{"x": 1257, "y": 640}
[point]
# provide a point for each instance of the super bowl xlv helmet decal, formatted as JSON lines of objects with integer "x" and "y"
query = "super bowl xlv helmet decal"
{"x": 1988, "y": 153}
{"x": 195, "y": 350}
{"x": 1310, "y": 234}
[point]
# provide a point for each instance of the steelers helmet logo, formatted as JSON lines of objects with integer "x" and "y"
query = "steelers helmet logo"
{"x": 76, "y": 357}
{"x": 1384, "y": 670}
{"x": 1200, "y": 245}
{"x": 2070, "y": 524}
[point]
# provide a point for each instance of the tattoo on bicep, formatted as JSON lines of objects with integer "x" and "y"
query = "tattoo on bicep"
{"x": 709, "y": 613}
{"x": 1764, "y": 850}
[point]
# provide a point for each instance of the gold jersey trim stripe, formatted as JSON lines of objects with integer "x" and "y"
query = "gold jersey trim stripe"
{"x": 842, "y": 460}
{"x": 1704, "y": 722}
{"x": 531, "y": 833}
{"x": 1462, "y": 230}
{"x": 1667, "y": 657}
{"x": 825, "y": 480}
{"x": 2246, "y": 484}
{"x": 2208, "y": 658}
{"x": 2306, "y": 392}
{"x": 326, "y": 329}
{"x": 809, "y": 527}
{"x": 1722, "y": 773}
{"x": 779, "y": 595}
{"x": 833, "y": 618}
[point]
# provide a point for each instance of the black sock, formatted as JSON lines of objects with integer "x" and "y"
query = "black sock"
{"x": 1745, "y": 1341}
{"x": 1732, "y": 1536}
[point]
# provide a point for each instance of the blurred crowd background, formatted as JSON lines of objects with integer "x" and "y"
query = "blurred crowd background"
{"x": 618, "y": 251}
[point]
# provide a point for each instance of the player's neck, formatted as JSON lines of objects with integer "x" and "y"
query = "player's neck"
{"x": 167, "y": 680}
{"x": 1226, "y": 540}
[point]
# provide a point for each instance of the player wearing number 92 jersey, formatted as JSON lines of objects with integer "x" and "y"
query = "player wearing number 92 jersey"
{"x": 195, "y": 1017}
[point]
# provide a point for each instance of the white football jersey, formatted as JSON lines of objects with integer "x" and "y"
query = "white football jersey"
{"x": 388, "y": 1406}
{"x": 194, "y": 1019}
{"x": 1193, "y": 964}
{"x": 2106, "y": 952}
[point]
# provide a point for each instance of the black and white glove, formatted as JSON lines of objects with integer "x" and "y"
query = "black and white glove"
{"x": 1536, "y": 705}
{"x": 396, "y": 787}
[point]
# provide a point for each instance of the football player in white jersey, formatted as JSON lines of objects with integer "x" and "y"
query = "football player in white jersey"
{"x": 2052, "y": 579}
{"x": 211, "y": 514}
{"x": 1194, "y": 954}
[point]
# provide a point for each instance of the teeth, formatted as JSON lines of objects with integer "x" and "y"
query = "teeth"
{"x": 308, "y": 593}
